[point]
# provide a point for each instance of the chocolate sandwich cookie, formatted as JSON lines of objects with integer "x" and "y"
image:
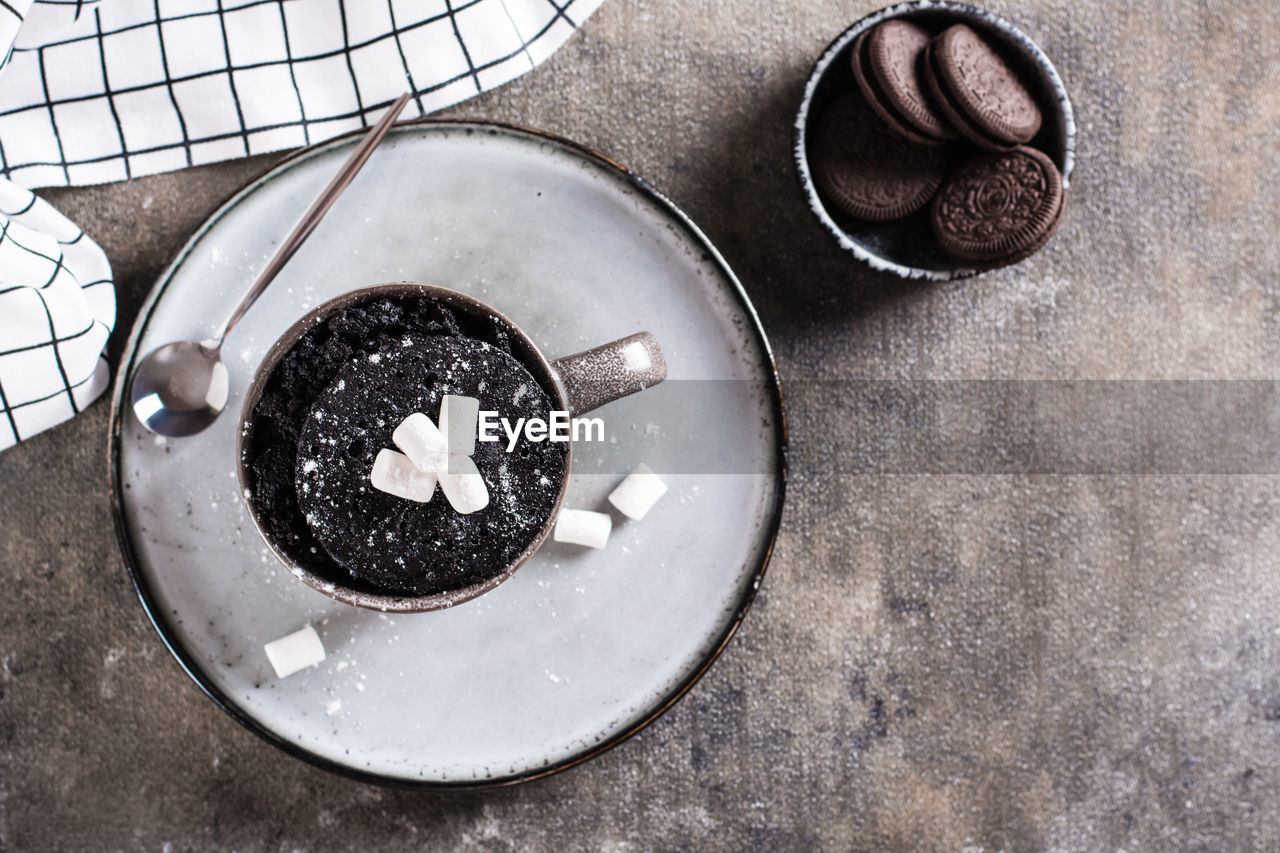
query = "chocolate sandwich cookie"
{"x": 977, "y": 91}
{"x": 419, "y": 548}
{"x": 886, "y": 61}
{"x": 998, "y": 209}
{"x": 867, "y": 169}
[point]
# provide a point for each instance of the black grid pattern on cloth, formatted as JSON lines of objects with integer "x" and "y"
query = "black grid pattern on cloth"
{"x": 43, "y": 267}
{"x": 166, "y": 84}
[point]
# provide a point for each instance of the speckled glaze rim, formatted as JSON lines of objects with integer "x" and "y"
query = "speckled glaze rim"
{"x": 119, "y": 411}
{"x": 820, "y": 68}
{"x": 527, "y": 352}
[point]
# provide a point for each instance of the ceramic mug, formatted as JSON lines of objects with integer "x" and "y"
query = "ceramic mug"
{"x": 576, "y": 383}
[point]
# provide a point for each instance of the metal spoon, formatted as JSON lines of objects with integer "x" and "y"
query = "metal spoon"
{"x": 181, "y": 388}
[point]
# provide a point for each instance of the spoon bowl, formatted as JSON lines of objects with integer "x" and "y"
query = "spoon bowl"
{"x": 180, "y": 388}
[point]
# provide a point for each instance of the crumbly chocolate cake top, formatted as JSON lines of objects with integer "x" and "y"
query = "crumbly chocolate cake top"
{"x": 417, "y": 547}
{"x": 361, "y": 348}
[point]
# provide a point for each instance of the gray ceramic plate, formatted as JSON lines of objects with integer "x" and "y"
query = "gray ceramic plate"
{"x": 581, "y": 648}
{"x": 906, "y": 247}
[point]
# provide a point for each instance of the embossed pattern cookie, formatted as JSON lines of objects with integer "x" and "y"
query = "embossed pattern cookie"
{"x": 999, "y": 208}
{"x": 978, "y": 91}
{"x": 866, "y": 168}
{"x": 884, "y": 62}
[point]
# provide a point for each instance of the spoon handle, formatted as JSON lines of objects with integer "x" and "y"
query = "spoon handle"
{"x": 311, "y": 218}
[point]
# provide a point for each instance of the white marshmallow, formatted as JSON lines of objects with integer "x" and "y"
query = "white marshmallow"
{"x": 458, "y": 417}
{"x": 422, "y": 442}
{"x": 395, "y": 474}
{"x": 299, "y": 650}
{"x": 636, "y": 357}
{"x": 463, "y": 485}
{"x": 637, "y": 494}
{"x": 583, "y": 527}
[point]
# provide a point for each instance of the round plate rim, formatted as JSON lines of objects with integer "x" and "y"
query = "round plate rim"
{"x": 187, "y": 661}
{"x": 799, "y": 130}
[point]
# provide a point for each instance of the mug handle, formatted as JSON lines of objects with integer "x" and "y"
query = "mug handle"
{"x": 602, "y": 374}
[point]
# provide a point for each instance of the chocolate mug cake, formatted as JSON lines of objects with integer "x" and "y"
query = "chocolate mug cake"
{"x": 335, "y": 454}
{"x": 332, "y": 403}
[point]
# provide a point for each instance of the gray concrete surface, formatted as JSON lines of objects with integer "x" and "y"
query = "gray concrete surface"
{"x": 948, "y": 662}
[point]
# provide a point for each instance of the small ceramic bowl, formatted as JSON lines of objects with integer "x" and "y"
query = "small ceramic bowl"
{"x": 906, "y": 247}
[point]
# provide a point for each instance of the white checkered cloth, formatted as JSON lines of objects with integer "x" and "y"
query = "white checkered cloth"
{"x": 97, "y": 92}
{"x": 57, "y": 307}
{"x": 103, "y": 91}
